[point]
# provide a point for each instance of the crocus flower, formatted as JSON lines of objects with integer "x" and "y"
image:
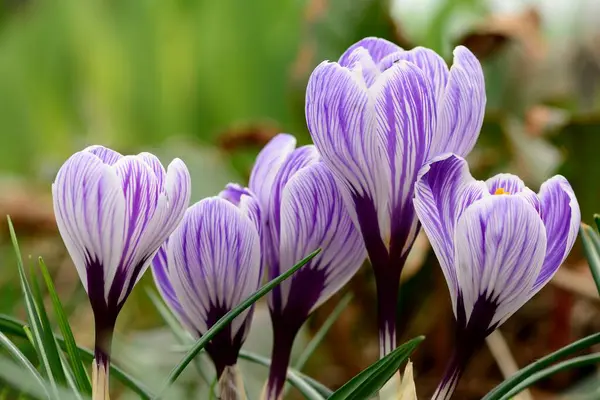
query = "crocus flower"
{"x": 209, "y": 265}
{"x": 498, "y": 244}
{"x": 305, "y": 212}
{"x": 113, "y": 213}
{"x": 376, "y": 116}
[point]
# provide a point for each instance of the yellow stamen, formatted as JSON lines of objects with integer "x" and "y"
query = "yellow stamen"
{"x": 501, "y": 191}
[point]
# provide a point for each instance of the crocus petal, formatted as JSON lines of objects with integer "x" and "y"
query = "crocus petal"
{"x": 562, "y": 217}
{"x": 108, "y": 156}
{"x": 160, "y": 272}
{"x": 90, "y": 208}
{"x": 444, "y": 189}
{"x": 461, "y": 114}
{"x": 313, "y": 216}
{"x": 214, "y": 257}
{"x": 246, "y": 200}
{"x": 341, "y": 120}
{"x": 500, "y": 249}
{"x": 300, "y": 158}
{"x": 406, "y": 115}
{"x": 267, "y": 164}
{"x": 433, "y": 66}
{"x": 377, "y": 48}
{"x": 507, "y": 183}
{"x": 156, "y": 166}
{"x": 140, "y": 187}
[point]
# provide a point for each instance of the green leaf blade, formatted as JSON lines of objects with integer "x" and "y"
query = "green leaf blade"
{"x": 80, "y": 375}
{"x": 371, "y": 380}
{"x": 591, "y": 247}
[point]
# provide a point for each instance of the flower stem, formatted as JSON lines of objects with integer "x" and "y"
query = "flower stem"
{"x": 101, "y": 364}
{"x": 231, "y": 385}
{"x": 283, "y": 341}
{"x": 388, "y": 287}
{"x": 100, "y": 368}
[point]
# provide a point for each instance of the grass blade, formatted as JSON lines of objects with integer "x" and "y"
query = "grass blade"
{"x": 591, "y": 244}
{"x": 32, "y": 314}
{"x": 597, "y": 220}
{"x": 80, "y": 374}
{"x": 17, "y": 328}
{"x": 226, "y": 319}
{"x": 371, "y": 380}
{"x": 48, "y": 343}
{"x": 568, "y": 364}
{"x": 21, "y": 359}
{"x": 294, "y": 377}
{"x": 499, "y": 391}
{"x": 322, "y": 332}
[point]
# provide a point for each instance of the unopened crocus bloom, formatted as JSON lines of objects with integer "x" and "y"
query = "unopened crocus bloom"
{"x": 376, "y": 116}
{"x": 498, "y": 244}
{"x": 113, "y": 213}
{"x": 210, "y": 264}
{"x": 305, "y": 212}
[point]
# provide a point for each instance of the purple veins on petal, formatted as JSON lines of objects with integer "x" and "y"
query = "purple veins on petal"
{"x": 108, "y": 156}
{"x": 377, "y": 48}
{"x": 562, "y": 217}
{"x": 313, "y": 216}
{"x": 267, "y": 164}
{"x": 214, "y": 256}
{"x": 500, "y": 248}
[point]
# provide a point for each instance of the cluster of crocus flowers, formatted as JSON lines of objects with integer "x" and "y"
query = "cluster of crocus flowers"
{"x": 377, "y": 116}
{"x": 113, "y": 213}
{"x": 304, "y": 211}
{"x": 498, "y": 244}
{"x": 390, "y": 129}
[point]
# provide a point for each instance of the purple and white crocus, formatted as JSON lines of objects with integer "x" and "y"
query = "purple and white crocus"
{"x": 305, "y": 212}
{"x": 498, "y": 244}
{"x": 113, "y": 213}
{"x": 209, "y": 265}
{"x": 377, "y": 116}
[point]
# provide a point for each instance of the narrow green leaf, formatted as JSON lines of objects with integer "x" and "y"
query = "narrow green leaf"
{"x": 69, "y": 377}
{"x": 307, "y": 386}
{"x": 499, "y": 391}
{"x": 591, "y": 243}
{"x": 322, "y": 332}
{"x": 11, "y": 326}
{"x": 226, "y": 319}
{"x": 80, "y": 374}
{"x": 597, "y": 220}
{"x": 48, "y": 343}
{"x": 565, "y": 365}
{"x": 32, "y": 314}
{"x": 21, "y": 359}
{"x": 371, "y": 380}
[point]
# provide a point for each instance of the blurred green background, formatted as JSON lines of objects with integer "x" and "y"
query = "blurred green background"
{"x": 211, "y": 81}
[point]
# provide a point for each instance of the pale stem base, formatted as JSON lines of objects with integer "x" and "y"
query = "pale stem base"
{"x": 231, "y": 385}
{"x": 100, "y": 381}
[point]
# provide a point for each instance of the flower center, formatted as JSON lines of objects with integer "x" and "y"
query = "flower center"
{"x": 501, "y": 191}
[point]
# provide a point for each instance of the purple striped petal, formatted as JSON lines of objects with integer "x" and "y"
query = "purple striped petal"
{"x": 267, "y": 165}
{"x": 156, "y": 166}
{"x": 313, "y": 216}
{"x": 341, "y": 121}
{"x": 406, "y": 115}
{"x": 562, "y": 217}
{"x": 433, "y": 66}
{"x": 214, "y": 256}
{"x": 300, "y": 158}
{"x": 376, "y": 47}
{"x": 160, "y": 272}
{"x": 461, "y": 113}
{"x": 108, "y": 156}
{"x": 500, "y": 249}
{"x": 512, "y": 184}
{"x": 90, "y": 208}
{"x": 445, "y": 188}
{"x": 246, "y": 200}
